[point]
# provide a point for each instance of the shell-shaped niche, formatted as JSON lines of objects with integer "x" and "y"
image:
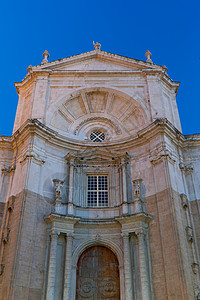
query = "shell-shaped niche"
{"x": 109, "y": 112}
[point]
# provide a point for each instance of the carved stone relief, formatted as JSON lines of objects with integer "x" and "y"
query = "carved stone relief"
{"x": 120, "y": 115}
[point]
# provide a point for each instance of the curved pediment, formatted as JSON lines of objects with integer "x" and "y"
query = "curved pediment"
{"x": 111, "y": 112}
{"x": 97, "y": 155}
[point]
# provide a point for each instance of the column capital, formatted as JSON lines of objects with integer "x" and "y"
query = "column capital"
{"x": 125, "y": 234}
{"x": 69, "y": 235}
{"x": 54, "y": 233}
{"x": 140, "y": 232}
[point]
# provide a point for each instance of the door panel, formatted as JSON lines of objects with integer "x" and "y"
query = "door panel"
{"x": 97, "y": 275}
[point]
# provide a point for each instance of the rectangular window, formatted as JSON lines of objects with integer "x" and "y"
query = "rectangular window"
{"x": 97, "y": 191}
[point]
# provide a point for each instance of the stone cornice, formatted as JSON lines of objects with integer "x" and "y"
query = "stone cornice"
{"x": 100, "y": 55}
{"x": 5, "y": 142}
{"x": 158, "y": 127}
{"x": 53, "y": 217}
{"x": 30, "y": 78}
{"x": 69, "y": 73}
{"x": 136, "y": 67}
{"x": 135, "y": 223}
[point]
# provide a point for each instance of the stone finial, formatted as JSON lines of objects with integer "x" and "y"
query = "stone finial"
{"x": 165, "y": 68}
{"x": 45, "y": 55}
{"x": 148, "y": 56}
{"x": 97, "y": 46}
{"x": 29, "y": 69}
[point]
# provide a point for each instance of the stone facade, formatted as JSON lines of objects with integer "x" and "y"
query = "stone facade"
{"x": 87, "y": 116}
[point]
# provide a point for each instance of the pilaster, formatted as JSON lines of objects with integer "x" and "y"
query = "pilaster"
{"x": 143, "y": 266}
{"x": 127, "y": 266}
{"x": 52, "y": 266}
{"x": 68, "y": 267}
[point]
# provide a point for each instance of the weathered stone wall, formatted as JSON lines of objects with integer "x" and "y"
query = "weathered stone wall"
{"x": 24, "y": 272}
{"x": 2, "y": 205}
{"x": 25, "y": 259}
{"x": 123, "y": 97}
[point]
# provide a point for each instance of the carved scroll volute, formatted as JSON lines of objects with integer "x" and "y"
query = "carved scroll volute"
{"x": 139, "y": 201}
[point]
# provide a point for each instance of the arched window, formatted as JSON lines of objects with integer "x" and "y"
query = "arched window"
{"x": 97, "y": 274}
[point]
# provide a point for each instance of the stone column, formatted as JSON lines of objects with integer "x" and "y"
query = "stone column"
{"x": 121, "y": 276}
{"x": 127, "y": 267}
{"x": 124, "y": 180}
{"x": 52, "y": 267}
{"x": 73, "y": 283}
{"x": 144, "y": 274}
{"x": 68, "y": 267}
{"x": 71, "y": 185}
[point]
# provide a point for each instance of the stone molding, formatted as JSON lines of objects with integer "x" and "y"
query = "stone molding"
{"x": 32, "y": 126}
{"x": 8, "y": 169}
{"x": 33, "y": 156}
{"x": 84, "y": 244}
{"x": 187, "y": 168}
{"x": 111, "y": 123}
{"x": 159, "y": 156}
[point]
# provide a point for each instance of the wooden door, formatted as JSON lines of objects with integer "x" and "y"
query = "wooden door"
{"x": 97, "y": 275}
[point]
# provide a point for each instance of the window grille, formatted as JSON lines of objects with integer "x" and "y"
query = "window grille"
{"x": 97, "y": 136}
{"x": 97, "y": 193}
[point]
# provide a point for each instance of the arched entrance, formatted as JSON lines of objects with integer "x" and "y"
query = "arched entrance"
{"x": 97, "y": 275}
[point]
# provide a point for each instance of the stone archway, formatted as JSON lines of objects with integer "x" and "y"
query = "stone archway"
{"x": 97, "y": 275}
{"x": 117, "y": 113}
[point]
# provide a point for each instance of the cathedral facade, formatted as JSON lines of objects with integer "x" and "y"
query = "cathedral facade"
{"x": 99, "y": 188}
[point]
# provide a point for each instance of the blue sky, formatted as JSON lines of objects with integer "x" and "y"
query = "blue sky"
{"x": 169, "y": 29}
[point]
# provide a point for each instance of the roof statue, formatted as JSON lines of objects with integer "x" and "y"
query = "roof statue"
{"x": 97, "y": 168}
{"x": 97, "y": 46}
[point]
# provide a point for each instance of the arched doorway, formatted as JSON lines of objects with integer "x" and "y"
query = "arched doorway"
{"x": 97, "y": 275}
